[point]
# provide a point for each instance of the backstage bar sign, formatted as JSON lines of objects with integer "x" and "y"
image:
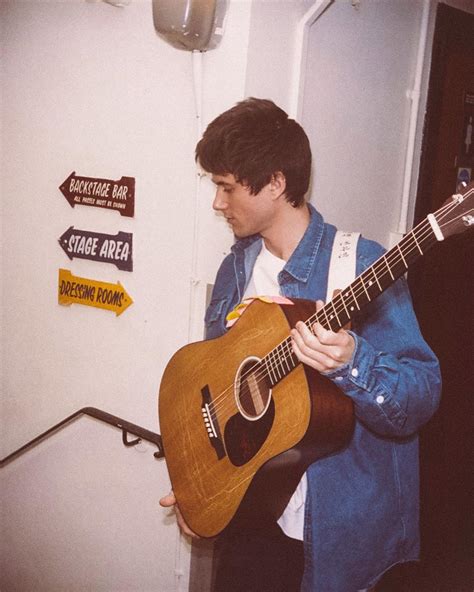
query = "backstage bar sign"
{"x": 78, "y": 290}
{"x": 101, "y": 193}
{"x": 107, "y": 248}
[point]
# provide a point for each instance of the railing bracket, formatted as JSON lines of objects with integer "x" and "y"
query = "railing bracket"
{"x": 126, "y": 441}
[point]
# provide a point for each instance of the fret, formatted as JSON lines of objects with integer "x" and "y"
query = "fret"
{"x": 414, "y": 238}
{"x": 401, "y": 255}
{"x": 277, "y": 364}
{"x": 376, "y": 277}
{"x": 410, "y": 249}
{"x": 265, "y": 363}
{"x": 267, "y": 369}
{"x": 270, "y": 370}
{"x": 285, "y": 360}
{"x": 309, "y": 322}
{"x": 290, "y": 356}
{"x": 276, "y": 360}
{"x": 388, "y": 267}
{"x": 280, "y": 361}
{"x": 361, "y": 281}
{"x": 331, "y": 316}
{"x": 293, "y": 360}
{"x": 349, "y": 300}
{"x": 324, "y": 311}
{"x": 397, "y": 263}
{"x": 353, "y": 296}
{"x": 370, "y": 284}
{"x": 341, "y": 297}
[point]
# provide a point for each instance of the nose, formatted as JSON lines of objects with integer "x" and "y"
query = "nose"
{"x": 220, "y": 201}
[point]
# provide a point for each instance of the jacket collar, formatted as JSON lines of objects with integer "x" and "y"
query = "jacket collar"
{"x": 301, "y": 261}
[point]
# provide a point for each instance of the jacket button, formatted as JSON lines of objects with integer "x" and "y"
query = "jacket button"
{"x": 380, "y": 399}
{"x": 355, "y": 372}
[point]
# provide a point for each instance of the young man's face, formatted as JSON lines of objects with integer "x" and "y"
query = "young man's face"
{"x": 247, "y": 214}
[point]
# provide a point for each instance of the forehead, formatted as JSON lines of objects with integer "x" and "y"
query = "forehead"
{"x": 227, "y": 179}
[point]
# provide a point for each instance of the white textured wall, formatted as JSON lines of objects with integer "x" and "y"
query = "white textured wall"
{"x": 81, "y": 513}
{"x": 272, "y": 45}
{"x": 88, "y": 88}
{"x": 361, "y": 62}
{"x": 91, "y": 88}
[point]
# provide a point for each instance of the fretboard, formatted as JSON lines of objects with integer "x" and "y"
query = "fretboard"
{"x": 366, "y": 287}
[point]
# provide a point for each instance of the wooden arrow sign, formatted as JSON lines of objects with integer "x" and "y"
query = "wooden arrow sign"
{"x": 101, "y": 193}
{"x": 95, "y": 246}
{"x": 77, "y": 290}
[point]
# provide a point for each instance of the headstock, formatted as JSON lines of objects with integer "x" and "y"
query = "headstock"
{"x": 457, "y": 213}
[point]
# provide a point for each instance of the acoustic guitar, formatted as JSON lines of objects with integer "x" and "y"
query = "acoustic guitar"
{"x": 241, "y": 418}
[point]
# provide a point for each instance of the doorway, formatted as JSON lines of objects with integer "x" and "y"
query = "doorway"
{"x": 442, "y": 286}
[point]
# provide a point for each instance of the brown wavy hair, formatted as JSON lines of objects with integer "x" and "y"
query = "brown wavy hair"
{"x": 254, "y": 140}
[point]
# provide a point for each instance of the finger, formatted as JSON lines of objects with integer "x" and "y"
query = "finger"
{"x": 310, "y": 354}
{"x": 302, "y": 333}
{"x": 319, "y": 339}
{"x": 330, "y": 338}
{"x": 168, "y": 500}
{"x": 317, "y": 360}
{"x": 325, "y": 336}
{"x": 184, "y": 525}
{"x": 338, "y": 346}
{"x": 324, "y": 350}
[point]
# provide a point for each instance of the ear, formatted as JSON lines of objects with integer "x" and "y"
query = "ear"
{"x": 278, "y": 184}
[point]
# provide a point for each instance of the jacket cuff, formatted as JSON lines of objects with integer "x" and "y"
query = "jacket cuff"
{"x": 358, "y": 379}
{"x": 358, "y": 372}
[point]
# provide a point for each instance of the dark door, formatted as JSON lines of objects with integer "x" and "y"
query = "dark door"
{"x": 442, "y": 286}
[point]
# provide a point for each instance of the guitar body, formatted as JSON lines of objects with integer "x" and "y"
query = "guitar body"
{"x": 236, "y": 446}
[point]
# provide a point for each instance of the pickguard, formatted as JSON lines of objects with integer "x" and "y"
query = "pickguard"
{"x": 244, "y": 438}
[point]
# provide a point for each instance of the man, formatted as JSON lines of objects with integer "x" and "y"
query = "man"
{"x": 356, "y": 510}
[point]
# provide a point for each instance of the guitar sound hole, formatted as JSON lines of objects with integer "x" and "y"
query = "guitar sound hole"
{"x": 252, "y": 390}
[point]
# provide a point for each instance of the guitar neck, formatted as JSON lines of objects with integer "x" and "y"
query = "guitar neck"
{"x": 365, "y": 288}
{"x": 375, "y": 279}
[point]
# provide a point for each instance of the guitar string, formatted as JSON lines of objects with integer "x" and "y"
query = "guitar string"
{"x": 283, "y": 351}
{"x": 285, "y": 346}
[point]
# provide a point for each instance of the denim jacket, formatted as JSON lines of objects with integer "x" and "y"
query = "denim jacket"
{"x": 362, "y": 507}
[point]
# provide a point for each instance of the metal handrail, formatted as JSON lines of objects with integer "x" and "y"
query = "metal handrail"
{"x": 125, "y": 426}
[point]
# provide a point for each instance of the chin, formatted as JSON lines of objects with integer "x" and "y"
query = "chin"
{"x": 241, "y": 233}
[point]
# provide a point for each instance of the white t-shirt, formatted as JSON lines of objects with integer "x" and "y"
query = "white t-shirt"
{"x": 264, "y": 282}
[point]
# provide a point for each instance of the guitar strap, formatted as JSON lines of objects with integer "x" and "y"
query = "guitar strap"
{"x": 342, "y": 266}
{"x": 342, "y": 270}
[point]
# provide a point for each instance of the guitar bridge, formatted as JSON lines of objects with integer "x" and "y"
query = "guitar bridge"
{"x": 211, "y": 424}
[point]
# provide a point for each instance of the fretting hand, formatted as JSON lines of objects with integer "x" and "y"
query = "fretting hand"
{"x": 324, "y": 350}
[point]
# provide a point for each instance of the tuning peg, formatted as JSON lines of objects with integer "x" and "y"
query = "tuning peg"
{"x": 468, "y": 220}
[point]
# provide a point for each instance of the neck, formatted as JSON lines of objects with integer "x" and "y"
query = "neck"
{"x": 287, "y": 229}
